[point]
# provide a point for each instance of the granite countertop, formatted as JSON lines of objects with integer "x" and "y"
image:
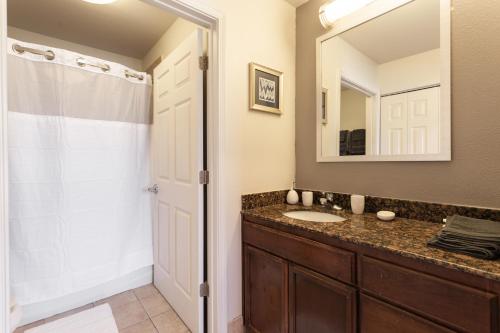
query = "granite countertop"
{"x": 402, "y": 236}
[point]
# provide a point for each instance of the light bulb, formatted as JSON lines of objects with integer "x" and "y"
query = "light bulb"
{"x": 334, "y": 10}
{"x": 100, "y": 2}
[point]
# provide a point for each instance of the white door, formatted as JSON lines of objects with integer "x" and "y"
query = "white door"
{"x": 423, "y": 121}
{"x": 178, "y": 158}
{"x": 394, "y": 125}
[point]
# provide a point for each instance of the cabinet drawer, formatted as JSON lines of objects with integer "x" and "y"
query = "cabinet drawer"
{"x": 336, "y": 263}
{"x": 465, "y": 308}
{"x": 379, "y": 317}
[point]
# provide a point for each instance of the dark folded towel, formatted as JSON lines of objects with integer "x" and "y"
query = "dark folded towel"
{"x": 343, "y": 135}
{"x": 357, "y": 142}
{"x": 470, "y": 227}
{"x": 344, "y": 143}
{"x": 352, "y": 142}
{"x": 481, "y": 252}
{"x": 474, "y": 237}
{"x": 357, "y": 151}
{"x": 358, "y": 134}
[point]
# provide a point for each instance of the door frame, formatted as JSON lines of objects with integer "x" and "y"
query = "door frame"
{"x": 213, "y": 20}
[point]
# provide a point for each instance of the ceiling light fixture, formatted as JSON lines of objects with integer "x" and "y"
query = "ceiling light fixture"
{"x": 100, "y": 2}
{"x": 336, "y": 9}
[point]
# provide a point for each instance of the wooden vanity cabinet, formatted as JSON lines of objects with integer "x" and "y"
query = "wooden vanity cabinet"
{"x": 319, "y": 304}
{"x": 379, "y": 317}
{"x": 467, "y": 309}
{"x": 295, "y": 283}
{"x": 282, "y": 295}
{"x": 265, "y": 291}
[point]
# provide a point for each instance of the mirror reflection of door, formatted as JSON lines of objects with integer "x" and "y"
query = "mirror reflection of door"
{"x": 354, "y": 105}
{"x": 410, "y": 122}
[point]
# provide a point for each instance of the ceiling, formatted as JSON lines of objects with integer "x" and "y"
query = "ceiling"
{"x": 408, "y": 30}
{"x": 297, "y": 3}
{"x": 119, "y": 27}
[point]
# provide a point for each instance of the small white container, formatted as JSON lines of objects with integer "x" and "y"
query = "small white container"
{"x": 292, "y": 197}
{"x": 357, "y": 204}
{"x": 386, "y": 215}
{"x": 307, "y": 198}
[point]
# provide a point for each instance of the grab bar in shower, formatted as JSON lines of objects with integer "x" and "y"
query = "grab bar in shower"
{"x": 49, "y": 55}
{"x": 132, "y": 74}
{"x": 82, "y": 62}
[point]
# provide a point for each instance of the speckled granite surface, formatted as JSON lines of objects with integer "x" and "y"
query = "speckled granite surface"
{"x": 402, "y": 236}
{"x": 418, "y": 210}
{"x": 249, "y": 201}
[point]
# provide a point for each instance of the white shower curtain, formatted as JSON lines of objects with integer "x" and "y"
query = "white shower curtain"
{"x": 78, "y": 169}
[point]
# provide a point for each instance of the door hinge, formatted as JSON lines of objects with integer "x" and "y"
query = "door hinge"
{"x": 203, "y": 63}
{"x": 204, "y": 290}
{"x": 204, "y": 177}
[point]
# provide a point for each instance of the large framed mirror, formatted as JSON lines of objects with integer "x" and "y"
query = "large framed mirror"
{"x": 383, "y": 84}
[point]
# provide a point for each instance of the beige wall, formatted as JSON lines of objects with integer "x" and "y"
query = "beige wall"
{"x": 473, "y": 177}
{"x": 175, "y": 34}
{"x": 418, "y": 70}
{"x": 352, "y": 109}
{"x": 32, "y": 37}
{"x": 259, "y": 147}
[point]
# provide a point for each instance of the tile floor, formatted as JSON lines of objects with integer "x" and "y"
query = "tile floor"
{"x": 142, "y": 310}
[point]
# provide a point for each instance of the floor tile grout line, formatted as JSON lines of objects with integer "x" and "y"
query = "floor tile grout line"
{"x": 137, "y": 298}
{"x": 149, "y": 316}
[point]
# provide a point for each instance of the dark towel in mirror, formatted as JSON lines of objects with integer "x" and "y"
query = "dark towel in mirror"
{"x": 344, "y": 142}
{"x": 357, "y": 142}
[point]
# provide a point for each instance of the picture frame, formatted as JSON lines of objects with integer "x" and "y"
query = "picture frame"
{"x": 266, "y": 89}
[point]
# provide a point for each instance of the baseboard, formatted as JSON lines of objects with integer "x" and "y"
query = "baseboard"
{"x": 37, "y": 311}
{"x": 235, "y": 325}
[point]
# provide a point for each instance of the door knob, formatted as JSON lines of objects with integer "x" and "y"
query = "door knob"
{"x": 154, "y": 189}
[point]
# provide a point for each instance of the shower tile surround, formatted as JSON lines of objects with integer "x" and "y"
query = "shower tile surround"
{"x": 415, "y": 210}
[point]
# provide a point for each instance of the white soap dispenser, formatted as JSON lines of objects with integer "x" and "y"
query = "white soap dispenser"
{"x": 292, "y": 197}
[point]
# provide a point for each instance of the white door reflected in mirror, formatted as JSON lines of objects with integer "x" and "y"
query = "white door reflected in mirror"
{"x": 383, "y": 86}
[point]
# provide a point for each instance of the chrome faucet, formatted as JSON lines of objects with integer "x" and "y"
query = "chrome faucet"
{"x": 329, "y": 200}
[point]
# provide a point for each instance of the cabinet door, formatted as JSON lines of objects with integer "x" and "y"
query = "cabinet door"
{"x": 265, "y": 291}
{"x": 319, "y": 304}
{"x": 379, "y": 317}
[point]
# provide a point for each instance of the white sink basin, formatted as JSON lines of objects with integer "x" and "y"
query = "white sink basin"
{"x": 306, "y": 215}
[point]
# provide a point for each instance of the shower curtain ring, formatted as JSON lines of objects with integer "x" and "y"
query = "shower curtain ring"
{"x": 49, "y": 54}
{"x": 82, "y": 63}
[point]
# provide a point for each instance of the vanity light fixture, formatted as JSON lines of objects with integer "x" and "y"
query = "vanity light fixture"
{"x": 336, "y": 9}
{"x": 100, "y": 2}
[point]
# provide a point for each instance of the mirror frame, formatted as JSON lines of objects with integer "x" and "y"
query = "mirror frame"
{"x": 367, "y": 13}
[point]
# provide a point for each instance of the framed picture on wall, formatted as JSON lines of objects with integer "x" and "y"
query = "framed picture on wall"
{"x": 266, "y": 89}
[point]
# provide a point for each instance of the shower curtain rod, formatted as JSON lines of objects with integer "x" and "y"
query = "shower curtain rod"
{"x": 50, "y": 55}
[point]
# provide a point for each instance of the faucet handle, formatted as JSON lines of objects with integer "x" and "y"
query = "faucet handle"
{"x": 329, "y": 197}
{"x": 337, "y": 208}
